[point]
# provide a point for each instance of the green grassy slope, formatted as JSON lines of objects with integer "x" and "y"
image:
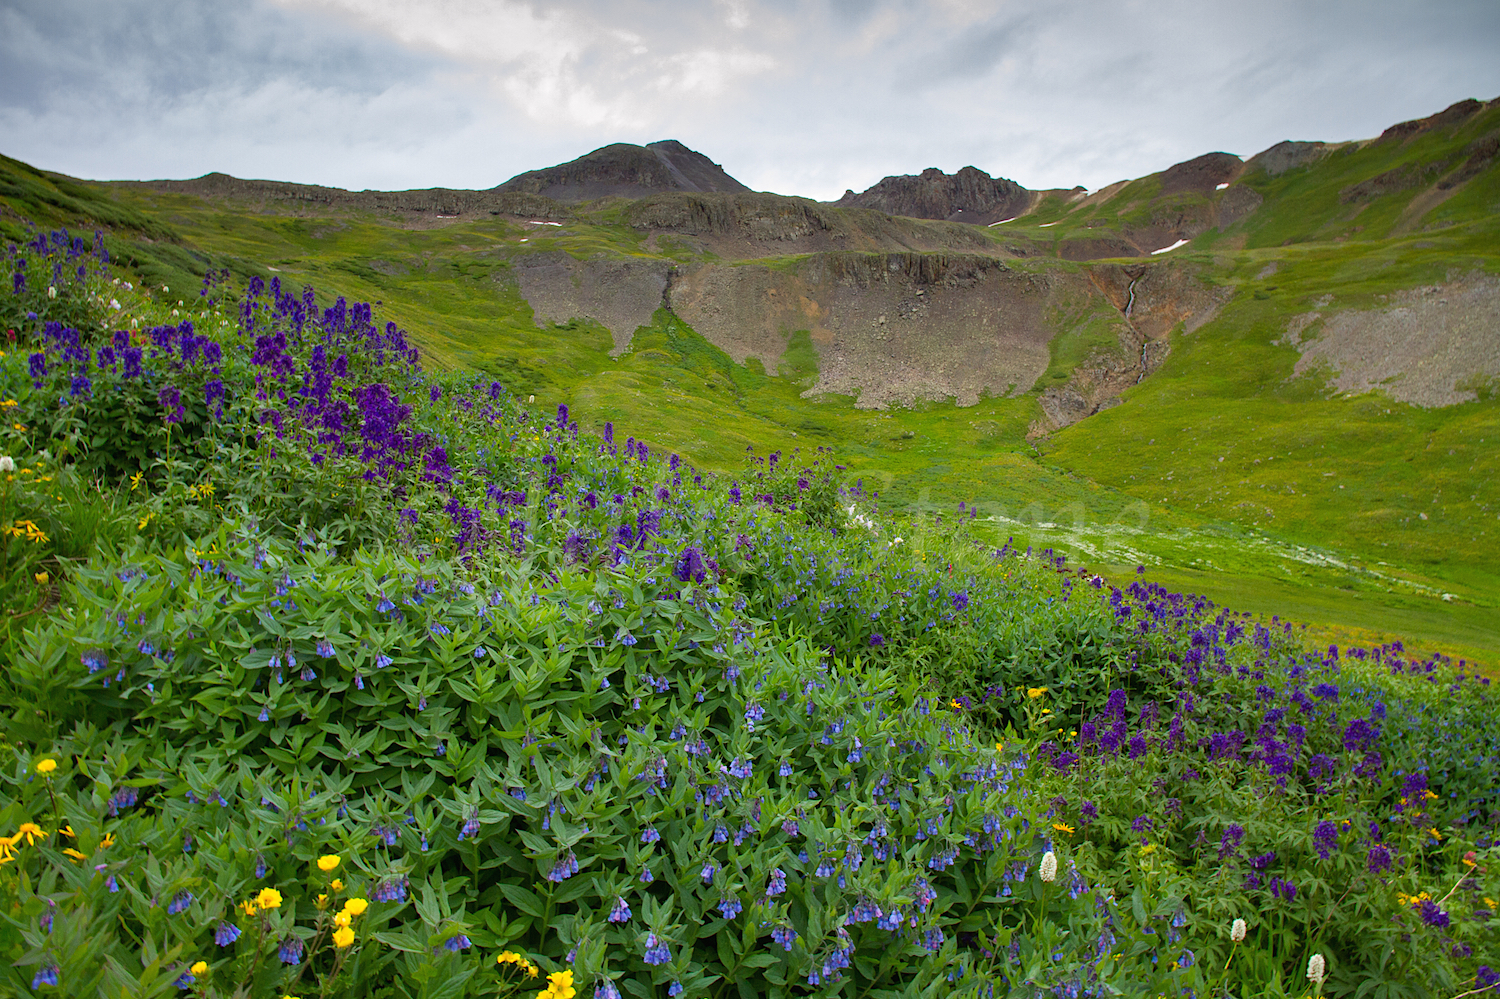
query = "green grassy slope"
{"x": 1315, "y": 510}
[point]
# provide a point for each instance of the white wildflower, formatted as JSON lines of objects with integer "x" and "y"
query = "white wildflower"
{"x": 7, "y": 463}
{"x": 114, "y": 303}
{"x": 51, "y": 291}
{"x": 1049, "y": 867}
{"x": 1316, "y": 970}
{"x": 1237, "y": 931}
{"x": 164, "y": 288}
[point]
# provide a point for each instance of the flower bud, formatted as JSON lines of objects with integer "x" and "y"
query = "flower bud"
{"x": 1049, "y": 866}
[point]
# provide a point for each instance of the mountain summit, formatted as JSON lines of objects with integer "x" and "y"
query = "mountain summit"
{"x": 628, "y": 171}
{"x": 970, "y": 195}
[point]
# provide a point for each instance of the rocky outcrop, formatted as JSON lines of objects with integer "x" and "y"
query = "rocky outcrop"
{"x": 621, "y": 294}
{"x": 1200, "y": 175}
{"x": 746, "y": 226}
{"x": 970, "y": 195}
{"x": 628, "y": 171}
{"x": 1288, "y": 155}
{"x": 1451, "y": 115}
{"x": 889, "y": 328}
{"x": 1436, "y": 345}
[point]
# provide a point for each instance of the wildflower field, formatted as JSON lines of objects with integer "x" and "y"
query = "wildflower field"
{"x": 325, "y": 675}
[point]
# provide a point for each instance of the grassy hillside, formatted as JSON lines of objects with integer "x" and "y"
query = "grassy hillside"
{"x": 1225, "y": 469}
{"x": 325, "y": 673}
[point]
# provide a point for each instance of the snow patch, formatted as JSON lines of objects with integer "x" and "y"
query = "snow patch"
{"x": 540, "y": 222}
{"x": 1169, "y": 249}
{"x": 1221, "y": 187}
{"x": 1003, "y": 221}
{"x": 1046, "y": 224}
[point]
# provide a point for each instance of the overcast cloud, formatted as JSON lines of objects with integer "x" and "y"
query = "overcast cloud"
{"x": 803, "y": 98}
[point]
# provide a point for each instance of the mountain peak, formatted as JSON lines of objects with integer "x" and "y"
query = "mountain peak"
{"x": 626, "y": 170}
{"x": 969, "y": 195}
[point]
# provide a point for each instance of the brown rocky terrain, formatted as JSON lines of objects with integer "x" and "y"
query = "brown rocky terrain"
{"x": 627, "y": 171}
{"x": 1436, "y": 345}
{"x": 970, "y": 195}
{"x": 619, "y": 294}
{"x": 745, "y": 226}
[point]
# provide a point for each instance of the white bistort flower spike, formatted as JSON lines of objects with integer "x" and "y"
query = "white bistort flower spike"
{"x": 1237, "y": 931}
{"x": 7, "y": 463}
{"x": 1316, "y": 969}
{"x": 1049, "y": 867}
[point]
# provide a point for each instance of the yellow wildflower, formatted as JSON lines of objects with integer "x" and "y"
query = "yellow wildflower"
{"x": 7, "y": 850}
{"x": 248, "y": 908}
{"x": 356, "y": 906}
{"x": 342, "y": 918}
{"x": 135, "y": 480}
{"x": 144, "y": 521}
{"x": 559, "y": 986}
{"x": 46, "y": 766}
{"x": 269, "y": 898}
{"x": 199, "y": 967}
{"x": 68, "y": 832}
{"x": 343, "y": 936}
{"x": 322, "y": 902}
{"x": 75, "y": 854}
{"x": 1434, "y": 834}
{"x": 31, "y": 831}
{"x": 1063, "y": 828}
{"x": 1489, "y": 902}
{"x": 107, "y": 842}
{"x": 43, "y": 578}
{"x": 1148, "y": 849}
{"x": 327, "y": 862}
{"x": 1036, "y": 692}
{"x": 337, "y": 885}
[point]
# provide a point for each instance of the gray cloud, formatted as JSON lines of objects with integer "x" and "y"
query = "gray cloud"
{"x": 799, "y": 96}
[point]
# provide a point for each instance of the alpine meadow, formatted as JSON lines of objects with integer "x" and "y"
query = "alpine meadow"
{"x": 622, "y": 583}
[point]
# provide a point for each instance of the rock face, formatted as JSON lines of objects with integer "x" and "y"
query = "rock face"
{"x": 1200, "y": 174}
{"x": 1288, "y": 155}
{"x": 627, "y": 171}
{"x": 619, "y": 294}
{"x": 1437, "y": 345}
{"x": 970, "y": 195}
{"x": 889, "y": 328}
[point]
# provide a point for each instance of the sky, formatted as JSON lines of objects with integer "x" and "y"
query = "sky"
{"x": 806, "y": 98}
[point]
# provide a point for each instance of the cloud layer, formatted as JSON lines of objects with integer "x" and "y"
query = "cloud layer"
{"x": 799, "y": 97}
